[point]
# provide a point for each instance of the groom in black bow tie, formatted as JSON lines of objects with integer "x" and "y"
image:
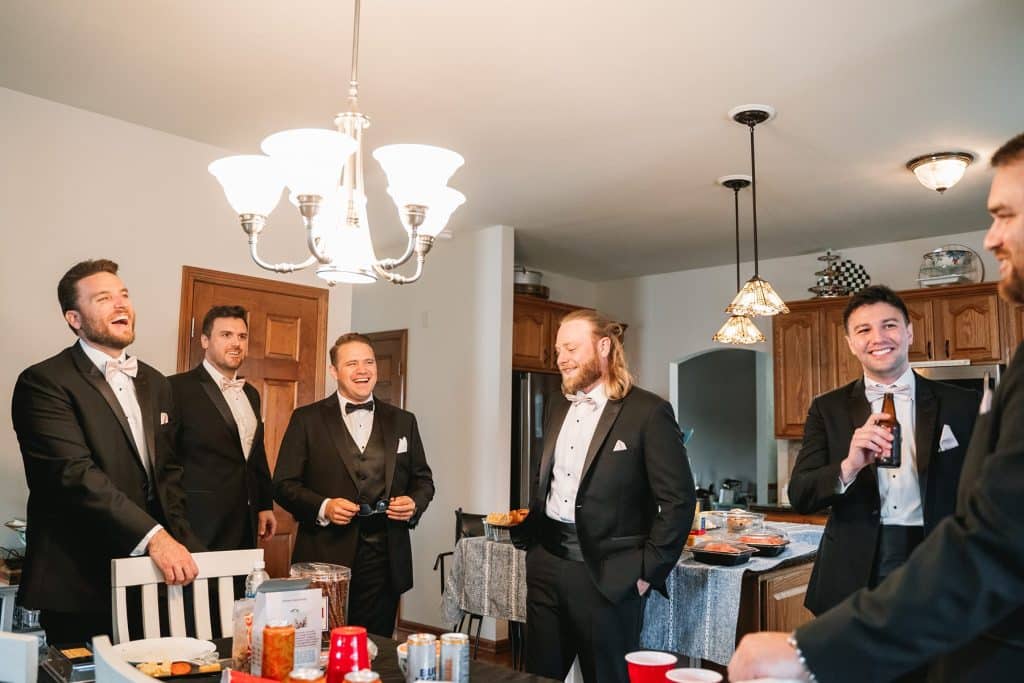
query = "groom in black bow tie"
{"x": 352, "y": 471}
{"x": 878, "y": 514}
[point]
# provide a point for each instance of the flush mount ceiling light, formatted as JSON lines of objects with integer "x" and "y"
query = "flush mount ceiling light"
{"x": 942, "y": 170}
{"x": 758, "y": 297}
{"x": 324, "y": 170}
{"x": 737, "y": 329}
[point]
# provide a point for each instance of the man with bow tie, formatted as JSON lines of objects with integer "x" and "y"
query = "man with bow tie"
{"x": 220, "y": 439}
{"x": 96, "y": 430}
{"x": 352, "y": 471}
{"x": 613, "y": 504}
{"x": 878, "y": 514}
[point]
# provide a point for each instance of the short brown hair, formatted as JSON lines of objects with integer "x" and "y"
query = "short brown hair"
{"x": 67, "y": 288}
{"x": 620, "y": 381}
{"x": 875, "y": 294}
{"x": 223, "y": 312}
{"x": 348, "y": 338}
{"x": 1010, "y": 152}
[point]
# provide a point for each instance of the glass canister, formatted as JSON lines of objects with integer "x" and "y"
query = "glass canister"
{"x": 334, "y": 580}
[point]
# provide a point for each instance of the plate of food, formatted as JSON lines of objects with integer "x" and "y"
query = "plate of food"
{"x": 498, "y": 525}
{"x": 725, "y": 553}
{"x": 766, "y": 543}
{"x": 166, "y": 650}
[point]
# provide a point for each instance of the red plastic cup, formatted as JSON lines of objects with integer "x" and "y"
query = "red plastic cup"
{"x": 348, "y": 652}
{"x": 649, "y": 666}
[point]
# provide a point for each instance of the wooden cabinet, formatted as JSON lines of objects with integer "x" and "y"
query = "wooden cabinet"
{"x": 811, "y": 355}
{"x": 774, "y": 600}
{"x": 534, "y": 329}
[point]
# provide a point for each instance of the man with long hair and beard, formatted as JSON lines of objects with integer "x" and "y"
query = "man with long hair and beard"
{"x": 613, "y": 504}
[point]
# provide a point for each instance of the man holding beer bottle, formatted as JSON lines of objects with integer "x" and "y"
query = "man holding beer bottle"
{"x": 883, "y": 452}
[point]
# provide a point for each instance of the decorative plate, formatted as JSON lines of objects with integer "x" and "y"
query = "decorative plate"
{"x": 849, "y": 274}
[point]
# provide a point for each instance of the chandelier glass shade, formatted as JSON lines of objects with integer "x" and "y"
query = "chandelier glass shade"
{"x": 740, "y": 330}
{"x": 940, "y": 171}
{"x": 323, "y": 171}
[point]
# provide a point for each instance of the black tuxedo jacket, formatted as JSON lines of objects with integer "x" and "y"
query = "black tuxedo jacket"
{"x": 317, "y": 461}
{"x": 224, "y": 490}
{"x": 634, "y": 506}
{"x": 88, "y": 490}
{"x": 959, "y": 600}
{"x": 848, "y": 545}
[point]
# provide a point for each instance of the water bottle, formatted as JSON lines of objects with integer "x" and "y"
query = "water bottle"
{"x": 257, "y": 576}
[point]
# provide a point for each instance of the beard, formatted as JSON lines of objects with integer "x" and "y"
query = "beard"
{"x": 586, "y": 374}
{"x": 1011, "y": 287}
{"x": 101, "y": 335}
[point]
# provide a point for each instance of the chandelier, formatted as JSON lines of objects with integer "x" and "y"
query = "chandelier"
{"x": 737, "y": 329}
{"x": 757, "y": 297}
{"x": 323, "y": 169}
{"x": 940, "y": 171}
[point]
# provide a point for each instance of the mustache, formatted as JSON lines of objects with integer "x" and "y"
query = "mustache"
{"x": 1001, "y": 252}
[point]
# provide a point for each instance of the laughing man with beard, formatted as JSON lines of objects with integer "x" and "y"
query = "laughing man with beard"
{"x": 96, "y": 430}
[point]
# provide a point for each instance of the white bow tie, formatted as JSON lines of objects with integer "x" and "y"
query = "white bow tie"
{"x": 129, "y": 366}
{"x": 581, "y": 399}
{"x": 877, "y": 391}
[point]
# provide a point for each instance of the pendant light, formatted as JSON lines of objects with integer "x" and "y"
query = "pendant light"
{"x": 757, "y": 298}
{"x": 738, "y": 329}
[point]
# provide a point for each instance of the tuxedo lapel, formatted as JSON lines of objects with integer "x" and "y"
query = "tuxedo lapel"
{"x": 330, "y": 412}
{"x": 547, "y": 461}
{"x": 384, "y": 419}
{"x": 145, "y": 399}
{"x": 926, "y": 415}
{"x": 604, "y": 425}
{"x": 99, "y": 382}
{"x": 217, "y": 397}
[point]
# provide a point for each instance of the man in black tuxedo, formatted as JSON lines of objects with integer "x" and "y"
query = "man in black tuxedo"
{"x": 96, "y": 430}
{"x": 958, "y": 602}
{"x": 878, "y": 514}
{"x": 220, "y": 439}
{"x": 352, "y": 471}
{"x": 613, "y": 504}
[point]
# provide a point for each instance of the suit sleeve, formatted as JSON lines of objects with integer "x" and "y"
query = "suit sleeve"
{"x": 813, "y": 485}
{"x": 964, "y": 578}
{"x": 60, "y": 468}
{"x": 421, "y": 479}
{"x": 290, "y": 489}
{"x": 259, "y": 466}
{"x": 171, "y": 473}
{"x": 671, "y": 483}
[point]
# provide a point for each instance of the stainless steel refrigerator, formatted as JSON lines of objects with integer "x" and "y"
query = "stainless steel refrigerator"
{"x": 530, "y": 393}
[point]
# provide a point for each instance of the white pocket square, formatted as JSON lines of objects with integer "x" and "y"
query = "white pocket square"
{"x": 164, "y": 419}
{"x": 619, "y": 446}
{"x": 947, "y": 440}
{"x": 403, "y": 445}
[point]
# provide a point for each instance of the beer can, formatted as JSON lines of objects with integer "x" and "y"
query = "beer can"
{"x": 421, "y": 664}
{"x": 454, "y": 658}
{"x": 309, "y": 675}
{"x": 364, "y": 676}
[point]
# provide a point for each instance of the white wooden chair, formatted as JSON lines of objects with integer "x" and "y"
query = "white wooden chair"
{"x": 112, "y": 669}
{"x": 141, "y": 571}
{"x": 7, "y": 595}
{"x": 19, "y": 657}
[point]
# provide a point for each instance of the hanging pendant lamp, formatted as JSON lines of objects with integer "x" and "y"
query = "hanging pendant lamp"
{"x": 757, "y": 298}
{"x": 737, "y": 329}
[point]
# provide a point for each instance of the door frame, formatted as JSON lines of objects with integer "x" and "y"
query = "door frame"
{"x": 402, "y": 336}
{"x": 190, "y": 275}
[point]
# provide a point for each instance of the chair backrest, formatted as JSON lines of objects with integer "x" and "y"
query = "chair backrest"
{"x": 112, "y": 669}
{"x": 222, "y": 566}
{"x": 468, "y": 524}
{"x": 7, "y": 594}
{"x": 19, "y": 657}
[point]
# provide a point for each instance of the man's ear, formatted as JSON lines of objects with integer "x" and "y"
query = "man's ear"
{"x": 74, "y": 319}
{"x": 604, "y": 346}
{"x": 205, "y": 341}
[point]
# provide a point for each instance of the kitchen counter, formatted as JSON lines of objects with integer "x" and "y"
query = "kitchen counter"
{"x": 785, "y": 513}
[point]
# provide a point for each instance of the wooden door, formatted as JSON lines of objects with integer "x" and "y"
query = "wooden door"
{"x": 390, "y": 349}
{"x": 838, "y": 362}
{"x": 1014, "y": 317}
{"x": 970, "y": 327}
{"x": 531, "y": 334}
{"x": 923, "y": 319}
{"x": 796, "y": 338}
{"x": 287, "y": 350}
{"x": 782, "y": 599}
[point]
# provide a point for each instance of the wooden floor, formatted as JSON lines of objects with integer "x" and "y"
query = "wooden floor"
{"x": 500, "y": 658}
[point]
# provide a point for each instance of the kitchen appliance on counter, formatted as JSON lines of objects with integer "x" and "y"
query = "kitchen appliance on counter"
{"x": 530, "y": 394}
{"x": 961, "y": 373}
{"x": 731, "y": 492}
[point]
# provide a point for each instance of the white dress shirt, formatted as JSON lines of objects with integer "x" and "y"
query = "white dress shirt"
{"x": 899, "y": 487}
{"x": 359, "y": 424}
{"x": 241, "y": 409}
{"x": 570, "y": 453}
{"x": 124, "y": 390}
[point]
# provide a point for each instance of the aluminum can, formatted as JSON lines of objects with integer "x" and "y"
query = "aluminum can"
{"x": 278, "y": 650}
{"x": 421, "y": 664}
{"x": 309, "y": 675}
{"x": 454, "y": 658}
{"x": 364, "y": 676}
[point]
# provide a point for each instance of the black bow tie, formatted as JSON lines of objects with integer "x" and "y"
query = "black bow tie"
{"x": 353, "y": 407}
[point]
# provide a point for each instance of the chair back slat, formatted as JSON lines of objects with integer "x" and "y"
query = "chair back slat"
{"x": 202, "y": 607}
{"x": 176, "y": 610}
{"x": 120, "y": 603}
{"x": 150, "y": 611}
{"x": 19, "y": 657}
{"x": 226, "y": 598}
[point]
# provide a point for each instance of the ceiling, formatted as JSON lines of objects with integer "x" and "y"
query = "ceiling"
{"x": 595, "y": 127}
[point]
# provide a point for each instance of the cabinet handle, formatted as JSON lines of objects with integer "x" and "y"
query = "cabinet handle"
{"x": 929, "y": 349}
{"x": 947, "y": 348}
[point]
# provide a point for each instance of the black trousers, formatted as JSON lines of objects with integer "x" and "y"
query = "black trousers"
{"x": 74, "y": 628}
{"x": 567, "y": 616}
{"x": 895, "y": 544}
{"x": 373, "y": 603}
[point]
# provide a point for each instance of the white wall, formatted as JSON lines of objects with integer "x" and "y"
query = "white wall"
{"x": 459, "y": 317}
{"x": 80, "y": 185}
{"x": 570, "y": 290}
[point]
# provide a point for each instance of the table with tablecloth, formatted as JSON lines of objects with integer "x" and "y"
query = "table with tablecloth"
{"x": 698, "y": 619}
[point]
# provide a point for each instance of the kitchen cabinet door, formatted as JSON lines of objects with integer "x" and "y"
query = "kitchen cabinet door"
{"x": 838, "y": 363}
{"x": 532, "y": 336}
{"x": 782, "y": 599}
{"x": 1014, "y": 317}
{"x": 970, "y": 327}
{"x": 922, "y": 317}
{"x": 796, "y": 348}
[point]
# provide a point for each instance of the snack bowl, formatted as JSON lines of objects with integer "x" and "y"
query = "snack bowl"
{"x": 721, "y": 552}
{"x": 734, "y": 521}
{"x": 767, "y": 542}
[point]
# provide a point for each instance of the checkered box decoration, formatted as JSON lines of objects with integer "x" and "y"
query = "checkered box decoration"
{"x": 849, "y": 275}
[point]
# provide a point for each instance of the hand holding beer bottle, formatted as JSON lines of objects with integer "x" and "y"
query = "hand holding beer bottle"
{"x": 869, "y": 443}
{"x": 892, "y": 458}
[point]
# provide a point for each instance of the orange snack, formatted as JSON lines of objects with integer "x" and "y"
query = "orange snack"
{"x": 278, "y": 650}
{"x": 720, "y": 548}
{"x": 180, "y": 668}
{"x": 763, "y": 540}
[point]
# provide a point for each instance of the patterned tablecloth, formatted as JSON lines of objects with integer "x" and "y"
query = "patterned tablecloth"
{"x": 698, "y": 619}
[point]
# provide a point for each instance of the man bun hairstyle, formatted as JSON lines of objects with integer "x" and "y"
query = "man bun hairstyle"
{"x": 619, "y": 381}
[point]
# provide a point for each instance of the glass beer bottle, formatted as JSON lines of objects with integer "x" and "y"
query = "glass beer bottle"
{"x": 893, "y": 425}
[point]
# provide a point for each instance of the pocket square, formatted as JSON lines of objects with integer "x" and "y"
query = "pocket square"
{"x": 619, "y": 446}
{"x": 947, "y": 440}
{"x": 164, "y": 419}
{"x": 403, "y": 445}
